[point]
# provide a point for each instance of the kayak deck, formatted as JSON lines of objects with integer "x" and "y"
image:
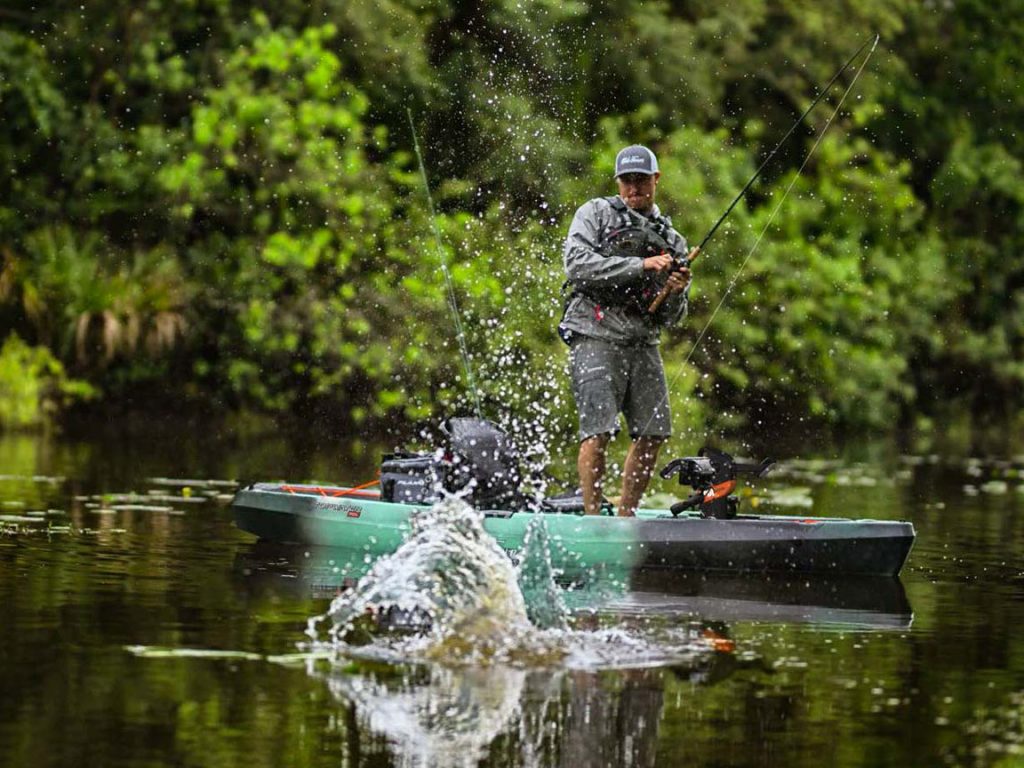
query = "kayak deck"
{"x": 359, "y": 521}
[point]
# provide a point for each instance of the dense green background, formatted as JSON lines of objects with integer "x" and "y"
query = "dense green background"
{"x": 210, "y": 200}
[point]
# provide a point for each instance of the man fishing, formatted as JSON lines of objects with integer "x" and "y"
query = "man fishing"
{"x": 620, "y": 254}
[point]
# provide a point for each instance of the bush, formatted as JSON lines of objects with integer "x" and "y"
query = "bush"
{"x": 33, "y": 385}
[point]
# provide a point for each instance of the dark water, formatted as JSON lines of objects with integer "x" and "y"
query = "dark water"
{"x": 928, "y": 670}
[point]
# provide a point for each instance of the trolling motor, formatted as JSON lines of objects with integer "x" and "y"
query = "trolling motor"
{"x": 712, "y": 475}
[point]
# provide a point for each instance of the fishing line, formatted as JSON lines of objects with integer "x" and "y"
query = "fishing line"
{"x": 450, "y": 285}
{"x": 771, "y": 217}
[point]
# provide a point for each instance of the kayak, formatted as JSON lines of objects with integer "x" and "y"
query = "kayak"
{"x": 361, "y": 523}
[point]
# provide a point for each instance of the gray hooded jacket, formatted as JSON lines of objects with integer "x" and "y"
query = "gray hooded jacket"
{"x": 590, "y": 264}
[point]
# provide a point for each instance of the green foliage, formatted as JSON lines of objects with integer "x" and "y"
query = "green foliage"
{"x": 33, "y": 385}
{"x": 225, "y": 203}
{"x": 979, "y": 194}
{"x": 842, "y": 292}
{"x": 93, "y": 303}
{"x": 33, "y": 112}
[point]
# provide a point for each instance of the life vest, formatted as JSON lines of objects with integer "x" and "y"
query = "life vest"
{"x": 632, "y": 235}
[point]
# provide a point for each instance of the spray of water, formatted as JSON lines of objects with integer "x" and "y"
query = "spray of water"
{"x": 478, "y": 636}
{"x": 449, "y": 583}
{"x": 460, "y": 334}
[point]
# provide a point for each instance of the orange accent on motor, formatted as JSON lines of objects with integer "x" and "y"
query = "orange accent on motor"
{"x": 719, "y": 491}
{"x": 719, "y": 642}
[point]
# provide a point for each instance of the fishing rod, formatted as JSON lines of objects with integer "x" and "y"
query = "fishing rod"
{"x": 771, "y": 218}
{"x": 694, "y": 252}
{"x": 449, "y": 284}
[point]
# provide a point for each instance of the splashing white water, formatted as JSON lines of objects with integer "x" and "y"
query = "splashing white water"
{"x": 452, "y": 578}
{"x": 482, "y": 647}
{"x": 465, "y": 603}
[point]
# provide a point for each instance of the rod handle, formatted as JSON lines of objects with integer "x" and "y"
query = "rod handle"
{"x": 660, "y": 298}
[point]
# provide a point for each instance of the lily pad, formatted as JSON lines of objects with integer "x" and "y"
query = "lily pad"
{"x": 165, "y": 652}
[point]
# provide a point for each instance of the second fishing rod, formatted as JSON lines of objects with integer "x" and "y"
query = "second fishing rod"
{"x": 684, "y": 263}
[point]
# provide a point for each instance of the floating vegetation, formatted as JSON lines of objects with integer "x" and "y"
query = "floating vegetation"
{"x": 135, "y": 498}
{"x": 302, "y": 658}
{"x": 155, "y": 501}
{"x": 789, "y": 496}
{"x": 994, "y": 736}
{"x": 995, "y": 487}
{"x": 175, "y": 482}
{"x": 170, "y": 499}
{"x": 56, "y": 480}
{"x": 21, "y": 519}
{"x": 43, "y": 513}
{"x": 145, "y": 508}
{"x": 165, "y": 652}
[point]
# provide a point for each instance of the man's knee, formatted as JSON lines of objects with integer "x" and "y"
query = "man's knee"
{"x": 593, "y": 449}
{"x": 595, "y": 441}
{"x": 649, "y": 445}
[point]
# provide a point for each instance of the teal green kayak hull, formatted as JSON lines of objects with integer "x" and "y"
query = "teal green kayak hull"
{"x": 367, "y": 527}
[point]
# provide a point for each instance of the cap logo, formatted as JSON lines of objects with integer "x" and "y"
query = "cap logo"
{"x": 636, "y": 158}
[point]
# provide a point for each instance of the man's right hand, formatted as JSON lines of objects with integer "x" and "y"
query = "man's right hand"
{"x": 658, "y": 263}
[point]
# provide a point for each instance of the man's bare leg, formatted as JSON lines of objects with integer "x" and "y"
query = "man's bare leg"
{"x": 640, "y": 461}
{"x": 590, "y": 466}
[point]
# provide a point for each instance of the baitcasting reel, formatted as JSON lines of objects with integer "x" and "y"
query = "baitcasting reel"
{"x": 712, "y": 475}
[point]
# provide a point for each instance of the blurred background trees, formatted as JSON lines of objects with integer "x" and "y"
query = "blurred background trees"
{"x": 218, "y": 201}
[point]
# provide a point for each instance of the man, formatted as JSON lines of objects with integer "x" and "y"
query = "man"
{"x": 618, "y": 258}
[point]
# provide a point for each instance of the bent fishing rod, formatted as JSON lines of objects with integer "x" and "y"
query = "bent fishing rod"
{"x": 694, "y": 252}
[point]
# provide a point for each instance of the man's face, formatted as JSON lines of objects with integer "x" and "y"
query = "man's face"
{"x": 637, "y": 189}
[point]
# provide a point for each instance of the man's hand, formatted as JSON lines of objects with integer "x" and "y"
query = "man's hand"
{"x": 678, "y": 280}
{"x": 658, "y": 263}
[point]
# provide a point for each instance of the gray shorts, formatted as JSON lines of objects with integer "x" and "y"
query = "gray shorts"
{"x": 608, "y": 379}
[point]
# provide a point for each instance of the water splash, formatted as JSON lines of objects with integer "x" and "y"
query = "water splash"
{"x": 449, "y": 593}
{"x": 477, "y": 639}
{"x": 545, "y": 606}
{"x": 450, "y": 580}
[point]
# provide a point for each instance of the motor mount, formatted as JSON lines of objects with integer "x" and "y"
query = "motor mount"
{"x": 712, "y": 475}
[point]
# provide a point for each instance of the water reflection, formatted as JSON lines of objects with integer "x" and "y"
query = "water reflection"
{"x": 796, "y": 689}
{"x": 852, "y": 602}
{"x": 433, "y": 715}
{"x": 855, "y": 602}
{"x": 636, "y": 639}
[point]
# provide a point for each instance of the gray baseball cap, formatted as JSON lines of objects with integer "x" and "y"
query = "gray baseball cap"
{"x": 635, "y": 158}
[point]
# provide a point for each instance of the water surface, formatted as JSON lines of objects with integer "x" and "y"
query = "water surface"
{"x": 118, "y": 556}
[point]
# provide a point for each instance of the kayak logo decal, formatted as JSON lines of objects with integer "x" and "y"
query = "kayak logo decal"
{"x": 333, "y": 507}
